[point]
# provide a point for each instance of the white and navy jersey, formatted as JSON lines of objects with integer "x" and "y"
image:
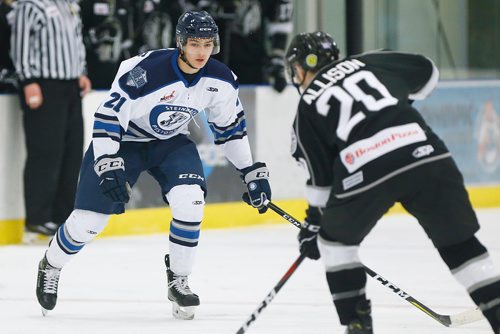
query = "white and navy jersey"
{"x": 151, "y": 100}
{"x": 355, "y": 126}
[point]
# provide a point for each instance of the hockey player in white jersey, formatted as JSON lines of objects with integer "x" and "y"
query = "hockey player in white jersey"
{"x": 142, "y": 126}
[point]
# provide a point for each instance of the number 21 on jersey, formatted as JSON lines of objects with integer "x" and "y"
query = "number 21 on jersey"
{"x": 115, "y": 102}
{"x": 350, "y": 92}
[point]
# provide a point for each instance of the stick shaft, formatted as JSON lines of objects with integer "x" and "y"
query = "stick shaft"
{"x": 270, "y": 296}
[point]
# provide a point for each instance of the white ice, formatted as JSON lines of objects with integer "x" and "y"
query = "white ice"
{"x": 118, "y": 285}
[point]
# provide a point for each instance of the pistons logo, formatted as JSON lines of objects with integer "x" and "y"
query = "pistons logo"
{"x": 166, "y": 119}
{"x": 349, "y": 158}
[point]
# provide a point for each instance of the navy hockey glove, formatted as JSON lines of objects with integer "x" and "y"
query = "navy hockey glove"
{"x": 256, "y": 178}
{"x": 113, "y": 183}
{"x": 277, "y": 73}
{"x": 308, "y": 235}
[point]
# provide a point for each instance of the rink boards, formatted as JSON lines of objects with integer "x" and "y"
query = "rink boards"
{"x": 465, "y": 114}
{"x": 222, "y": 215}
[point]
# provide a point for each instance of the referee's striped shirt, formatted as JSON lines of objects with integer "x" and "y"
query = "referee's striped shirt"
{"x": 46, "y": 40}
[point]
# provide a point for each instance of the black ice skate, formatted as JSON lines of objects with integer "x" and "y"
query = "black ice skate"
{"x": 182, "y": 298}
{"x": 363, "y": 323}
{"x": 39, "y": 233}
{"x": 46, "y": 285}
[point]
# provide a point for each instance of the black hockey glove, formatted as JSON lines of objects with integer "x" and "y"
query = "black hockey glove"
{"x": 277, "y": 73}
{"x": 308, "y": 235}
{"x": 256, "y": 178}
{"x": 113, "y": 183}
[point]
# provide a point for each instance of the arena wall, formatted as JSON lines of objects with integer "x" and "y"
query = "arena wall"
{"x": 465, "y": 114}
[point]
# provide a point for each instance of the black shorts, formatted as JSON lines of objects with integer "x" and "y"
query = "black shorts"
{"x": 433, "y": 193}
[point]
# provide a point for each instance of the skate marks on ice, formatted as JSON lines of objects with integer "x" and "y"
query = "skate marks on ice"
{"x": 118, "y": 285}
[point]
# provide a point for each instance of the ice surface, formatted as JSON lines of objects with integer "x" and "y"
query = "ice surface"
{"x": 118, "y": 285}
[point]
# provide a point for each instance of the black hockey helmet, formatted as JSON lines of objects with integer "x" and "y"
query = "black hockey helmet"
{"x": 197, "y": 24}
{"x": 311, "y": 51}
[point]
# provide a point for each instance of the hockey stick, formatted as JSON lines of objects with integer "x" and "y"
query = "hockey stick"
{"x": 270, "y": 296}
{"x": 453, "y": 320}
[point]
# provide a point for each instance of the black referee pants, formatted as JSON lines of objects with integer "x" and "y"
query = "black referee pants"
{"x": 54, "y": 145}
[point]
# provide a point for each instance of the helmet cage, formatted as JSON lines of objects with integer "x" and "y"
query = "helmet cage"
{"x": 199, "y": 25}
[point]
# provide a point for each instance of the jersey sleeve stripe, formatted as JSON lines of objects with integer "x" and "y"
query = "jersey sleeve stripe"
{"x": 428, "y": 87}
{"x": 104, "y": 134}
{"x": 317, "y": 196}
{"x": 108, "y": 127}
{"x": 235, "y": 131}
{"x": 104, "y": 117}
{"x": 240, "y": 117}
{"x": 234, "y": 137}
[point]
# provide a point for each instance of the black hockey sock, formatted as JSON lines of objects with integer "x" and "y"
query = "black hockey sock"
{"x": 347, "y": 287}
{"x": 470, "y": 264}
{"x": 488, "y": 300}
{"x": 456, "y": 255}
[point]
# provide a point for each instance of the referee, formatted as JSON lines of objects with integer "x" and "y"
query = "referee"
{"x": 49, "y": 57}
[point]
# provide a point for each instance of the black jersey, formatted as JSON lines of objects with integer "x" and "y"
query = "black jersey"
{"x": 355, "y": 126}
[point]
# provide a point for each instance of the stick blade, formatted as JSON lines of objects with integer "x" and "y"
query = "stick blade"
{"x": 466, "y": 317}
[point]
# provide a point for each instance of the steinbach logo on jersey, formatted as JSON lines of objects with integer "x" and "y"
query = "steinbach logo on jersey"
{"x": 167, "y": 119}
{"x": 330, "y": 77}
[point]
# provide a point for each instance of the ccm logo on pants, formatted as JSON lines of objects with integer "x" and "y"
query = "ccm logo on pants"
{"x": 191, "y": 176}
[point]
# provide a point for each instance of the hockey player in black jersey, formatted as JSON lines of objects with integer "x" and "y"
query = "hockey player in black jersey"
{"x": 366, "y": 148}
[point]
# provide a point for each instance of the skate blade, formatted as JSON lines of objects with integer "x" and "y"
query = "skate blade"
{"x": 44, "y": 312}
{"x": 183, "y": 312}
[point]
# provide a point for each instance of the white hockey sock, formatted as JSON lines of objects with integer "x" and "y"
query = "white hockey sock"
{"x": 186, "y": 203}
{"x": 80, "y": 228}
{"x": 181, "y": 258}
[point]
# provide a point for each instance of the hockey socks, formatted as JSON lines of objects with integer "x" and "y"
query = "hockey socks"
{"x": 348, "y": 289}
{"x": 471, "y": 265}
{"x": 62, "y": 248}
{"x": 81, "y": 227}
{"x": 346, "y": 277}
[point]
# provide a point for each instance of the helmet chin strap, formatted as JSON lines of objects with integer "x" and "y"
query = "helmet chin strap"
{"x": 184, "y": 59}
{"x": 297, "y": 84}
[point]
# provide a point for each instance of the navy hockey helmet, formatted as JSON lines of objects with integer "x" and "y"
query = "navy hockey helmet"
{"x": 197, "y": 24}
{"x": 311, "y": 51}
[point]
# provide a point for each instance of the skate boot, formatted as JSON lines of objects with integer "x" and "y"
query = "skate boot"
{"x": 182, "y": 298}
{"x": 46, "y": 285}
{"x": 39, "y": 233}
{"x": 363, "y": 323}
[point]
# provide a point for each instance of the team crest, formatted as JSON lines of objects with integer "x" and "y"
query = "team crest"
{"x": 137, "y": 77}
{"x": 167, "y": 119}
